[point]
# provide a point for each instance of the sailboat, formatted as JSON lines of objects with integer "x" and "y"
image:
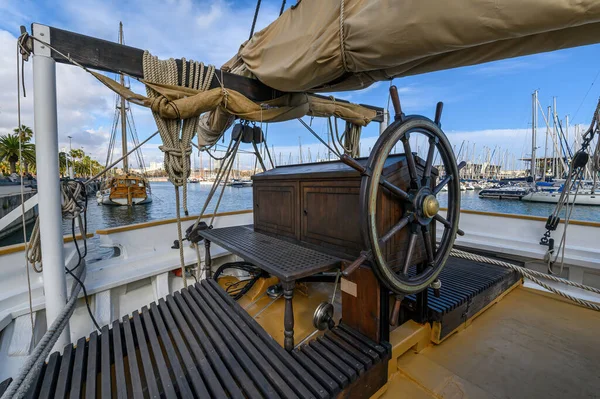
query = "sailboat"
{"x": 343, "y": 290}
{"x": 125, "y": 188}
{"x": 583, "y": 195}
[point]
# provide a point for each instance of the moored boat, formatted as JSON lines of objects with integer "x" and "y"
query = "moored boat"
{"x": 583, "y": 197}
{"x": 509, "y": 192}
{"x": 124, "y": 190}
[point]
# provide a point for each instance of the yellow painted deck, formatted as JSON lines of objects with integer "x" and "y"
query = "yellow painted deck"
{"x": 525, "y": 346}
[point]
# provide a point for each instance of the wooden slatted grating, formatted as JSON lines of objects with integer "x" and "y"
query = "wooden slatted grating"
{"x": 201, "y": 343}
{"x": 467, "y": 288}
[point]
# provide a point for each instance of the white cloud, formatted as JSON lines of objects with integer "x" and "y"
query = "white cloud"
{"x": 209, "y": 31}
{"x": 82, "y": 100}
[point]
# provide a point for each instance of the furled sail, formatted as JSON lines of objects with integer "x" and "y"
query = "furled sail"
{"x": 336, "y": 45}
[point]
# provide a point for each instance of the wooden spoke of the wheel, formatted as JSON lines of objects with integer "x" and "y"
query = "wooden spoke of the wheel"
{"x": 395, "y": 189}
{"x": 441, "y": 184}
{"x": 410, "y": 160}
{"x": 428, "y": 244}
{"x": 411, "y": 247}
{"x": 447, "y": 224}
{"x": 447, "y": 179}
{"x": 396, "y": 228}
{"x": 383, "y": 181}
{"x": 429, "y": 163}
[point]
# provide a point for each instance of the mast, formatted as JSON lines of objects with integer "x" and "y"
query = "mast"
{"x": 201, "y": 166}
{"x": 123, "y": 114}
{"x": 554, "y": 166}
{"x": 567, "y": 130}
{"x": 546, "y": 146}
{"x": 46, "y": 127}
{"x": 533, "y": 132}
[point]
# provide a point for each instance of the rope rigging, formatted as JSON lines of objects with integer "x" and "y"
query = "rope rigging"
{"x": 176, "y": 134}
{"x": 570, "y": 190}
{"x": 536, "y": 277}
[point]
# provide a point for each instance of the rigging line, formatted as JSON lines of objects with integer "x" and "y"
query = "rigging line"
{"x": 330, "y": 134}
{"x": 131, "y": 122}
{"x": 318, "y": 137}
{"x": 562, "y": 137}
{"x": 282, "y": 7}
{"x": 226, "y": 180}
{"x": 254, "y": 20}
{"x": 136, "y": 142}
{"x": 23, "y": 223}
{"x": 216, "y": 182}
{"x": 111, "y": 143}
{"x": 586, "y": 94}
{"x": 120, "y": 159}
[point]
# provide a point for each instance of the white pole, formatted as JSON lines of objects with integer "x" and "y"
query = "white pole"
{"x": 567, "y": 129}
{"x": 46, "y": 138}
{"x": 384, "y": 123}
{"x": 533, "y": 134}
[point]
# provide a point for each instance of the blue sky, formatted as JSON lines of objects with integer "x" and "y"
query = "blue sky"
{"x": 487, "y": 104}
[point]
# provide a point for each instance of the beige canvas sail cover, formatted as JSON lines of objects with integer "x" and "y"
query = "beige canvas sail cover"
{"x": 305, "y": 49}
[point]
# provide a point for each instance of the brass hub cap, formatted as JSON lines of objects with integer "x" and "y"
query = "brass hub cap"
{"x": 431, "y": 206}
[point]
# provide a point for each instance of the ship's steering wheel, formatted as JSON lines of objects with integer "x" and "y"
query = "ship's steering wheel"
{"x": 419, "y": 201}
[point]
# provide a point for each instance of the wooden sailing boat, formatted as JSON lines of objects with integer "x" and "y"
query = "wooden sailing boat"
{"x": 370, "y": 225}
{"x": 126, "y": 188}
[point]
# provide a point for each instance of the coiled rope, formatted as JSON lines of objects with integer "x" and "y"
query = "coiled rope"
{"x": 73, "y": 198}
{"x": 176, "y": 134}
{"x": 533, "y": 276}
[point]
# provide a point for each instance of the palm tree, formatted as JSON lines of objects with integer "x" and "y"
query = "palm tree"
{"x": 62, "y": 163}
{"x": 77, "y": 153}
{"x": 26, "y": 134}
{"x": 9, "y": 151}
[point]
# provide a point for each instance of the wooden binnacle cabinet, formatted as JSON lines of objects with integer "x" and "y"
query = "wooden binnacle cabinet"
{"x": 318, "y": 205}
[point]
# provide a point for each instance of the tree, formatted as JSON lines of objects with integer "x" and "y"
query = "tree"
{"x": 87, "y": 166}
{"x": 62, "y": 163}
{"x": 9, "y": 151}
{"x": 26, "y": 134}
{"x": 77, "y": 153}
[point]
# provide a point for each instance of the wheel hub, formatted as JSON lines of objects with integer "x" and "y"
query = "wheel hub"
{"x": 431, "y": 206}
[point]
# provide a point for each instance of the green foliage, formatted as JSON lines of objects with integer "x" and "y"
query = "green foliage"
{"x": 9, "y": 151}
{"x": 77, "y": 153}
{"x": 25, "y": 132}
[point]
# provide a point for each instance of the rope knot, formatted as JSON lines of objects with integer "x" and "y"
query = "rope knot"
{"x": 177, "y": 163}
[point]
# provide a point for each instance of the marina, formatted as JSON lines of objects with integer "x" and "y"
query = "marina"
{"x": 384, "y": 258}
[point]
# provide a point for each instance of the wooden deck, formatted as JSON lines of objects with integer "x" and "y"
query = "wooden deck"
{"x": 526, "y": 346}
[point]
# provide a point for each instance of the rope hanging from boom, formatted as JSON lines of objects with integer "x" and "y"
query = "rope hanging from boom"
{"x": 176, "y": 134}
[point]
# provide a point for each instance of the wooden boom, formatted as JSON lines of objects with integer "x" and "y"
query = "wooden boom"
{"x": 109, "y": 56}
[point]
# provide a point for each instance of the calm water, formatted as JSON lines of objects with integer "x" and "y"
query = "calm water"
{"x": 163, "y": 206}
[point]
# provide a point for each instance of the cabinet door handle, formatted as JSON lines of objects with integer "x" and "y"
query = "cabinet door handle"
{"x": 306, "y": 213}
{"x": 256, "y": 205}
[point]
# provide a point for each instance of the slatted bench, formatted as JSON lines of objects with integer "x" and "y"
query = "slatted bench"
{"x": 467, "y": 288}
{"x": 283, "y": 259}
{"x": 201, "y": 343}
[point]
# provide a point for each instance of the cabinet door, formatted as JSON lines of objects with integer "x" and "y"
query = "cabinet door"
{"x": 330, "y": 212}
{"x": 276, "y": 207}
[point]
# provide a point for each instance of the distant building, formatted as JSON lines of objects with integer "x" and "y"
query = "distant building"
{"x": 155, "y": 166}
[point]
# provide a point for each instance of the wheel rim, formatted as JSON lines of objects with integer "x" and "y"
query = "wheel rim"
{"x": 421, "y": 200}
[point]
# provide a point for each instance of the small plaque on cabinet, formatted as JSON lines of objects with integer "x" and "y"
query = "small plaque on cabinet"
{"x": 348, "y": 287}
